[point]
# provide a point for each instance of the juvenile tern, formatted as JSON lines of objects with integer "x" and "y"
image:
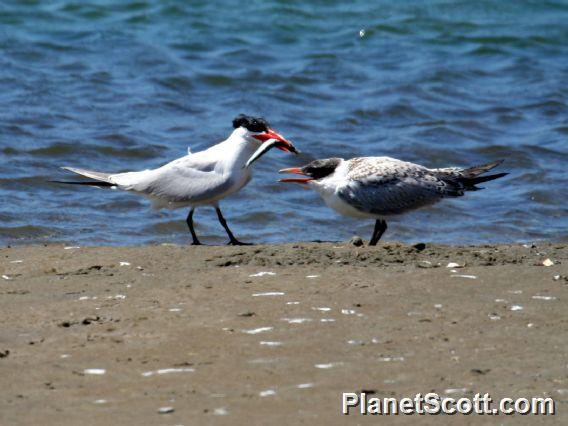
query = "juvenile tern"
{"x": 381, "y": 187}
{"x": 201, "y": 178}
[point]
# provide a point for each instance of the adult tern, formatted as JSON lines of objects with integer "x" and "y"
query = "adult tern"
{"x": 202, "y": 178}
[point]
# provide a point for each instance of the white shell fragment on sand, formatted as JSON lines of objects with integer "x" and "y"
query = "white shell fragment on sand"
{"x": 516, "y": 308}
{"x": 312, "y": 276}
{"x": 267, "y": 343}
{"x": 538, "y": 297}
{"x": 454, "y": 391}
{"x": 471, "y": 277}
{"x": 6, "y": 277}
{"x": 124, "y": 263}
{"x": 305, "y": 385}
{"x": 327, "y": 366}
{"x": 391, "y": 358}
{"x": 166, "y": 410}
{"x": 269, "y": 293}
{"x": 267, "y": 392}
{"x": 258, "y": 330}
{"x": 95, "y": 371}
{"x": 262, "y": 274}
{"x": 221, "y": 411}
{"x": 454, "y": 265}
{"x": 296, "y": 320}
{"x": 547, "y": 262}
{"x": 117, "y": 297}
{"x": 168, "y": 371}
{"x": 71, "y": 247}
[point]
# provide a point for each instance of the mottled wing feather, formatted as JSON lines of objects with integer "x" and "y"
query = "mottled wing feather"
{"x": 386, "y": 186}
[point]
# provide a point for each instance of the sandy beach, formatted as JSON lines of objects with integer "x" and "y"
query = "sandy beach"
{"x": 275, "y": 334}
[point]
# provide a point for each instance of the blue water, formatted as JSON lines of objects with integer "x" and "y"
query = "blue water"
{"x": 128, "y": 85}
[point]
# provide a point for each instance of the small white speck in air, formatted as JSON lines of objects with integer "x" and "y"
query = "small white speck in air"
{"x": 362, "y": 32}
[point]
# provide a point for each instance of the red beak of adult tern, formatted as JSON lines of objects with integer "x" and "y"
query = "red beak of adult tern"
{"x": 297, "y": 171}
{"x": 270, "y": 139}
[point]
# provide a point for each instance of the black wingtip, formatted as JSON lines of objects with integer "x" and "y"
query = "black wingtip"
{"x": 88, "y": 183}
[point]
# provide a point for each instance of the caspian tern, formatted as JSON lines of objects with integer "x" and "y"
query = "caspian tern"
{"x": 379, "y": 187}
{"x": 202, "y": 178}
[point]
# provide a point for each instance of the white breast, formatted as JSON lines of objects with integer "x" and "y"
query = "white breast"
{"x": 328, "y": 187}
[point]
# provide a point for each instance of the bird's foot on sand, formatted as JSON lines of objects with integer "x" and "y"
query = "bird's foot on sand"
{"x": 238, "y": 243}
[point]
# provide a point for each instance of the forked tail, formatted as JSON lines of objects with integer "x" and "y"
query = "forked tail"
{"x": 99, "y": 179}
{"x": 472, "y": 175}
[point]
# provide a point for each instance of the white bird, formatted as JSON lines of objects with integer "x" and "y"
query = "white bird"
{"x": 201, "y": 178}
{"x": 381, "y": 187}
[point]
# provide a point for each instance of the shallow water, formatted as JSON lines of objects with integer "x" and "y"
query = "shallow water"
{"x": 123, "y": 87}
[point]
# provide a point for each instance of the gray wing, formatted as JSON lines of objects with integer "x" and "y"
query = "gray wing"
{"x": 385, "y": 186}
{"x": 188, "y": 179}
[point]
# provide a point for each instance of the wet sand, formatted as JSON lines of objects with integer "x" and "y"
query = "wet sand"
{"x": 275, "y": 334}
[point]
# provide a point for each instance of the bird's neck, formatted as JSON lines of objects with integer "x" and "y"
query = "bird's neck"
{"x": 235, "y": 151}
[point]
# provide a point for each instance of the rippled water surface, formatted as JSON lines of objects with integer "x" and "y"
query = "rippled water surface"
{"x": 128, "y": 85}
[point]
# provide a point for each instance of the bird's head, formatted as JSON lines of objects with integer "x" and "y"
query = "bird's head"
{"x": 317, "y": 169}
{"x": 257, "y": 131}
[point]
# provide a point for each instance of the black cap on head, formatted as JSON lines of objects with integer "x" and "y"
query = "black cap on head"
{"x": 253, "y": 124}
{"x": 318, "y": 169}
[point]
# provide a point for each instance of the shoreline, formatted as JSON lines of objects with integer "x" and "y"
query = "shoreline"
{"x": 274, "y": 332}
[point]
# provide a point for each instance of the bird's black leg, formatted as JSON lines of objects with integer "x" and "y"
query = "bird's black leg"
{"x": 232, "y": 240}
{"x": 189, "y": 221}
{"x": 380, "y": 228}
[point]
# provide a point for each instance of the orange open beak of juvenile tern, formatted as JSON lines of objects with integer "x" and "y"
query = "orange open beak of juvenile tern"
{"x": 297, "y": 171}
